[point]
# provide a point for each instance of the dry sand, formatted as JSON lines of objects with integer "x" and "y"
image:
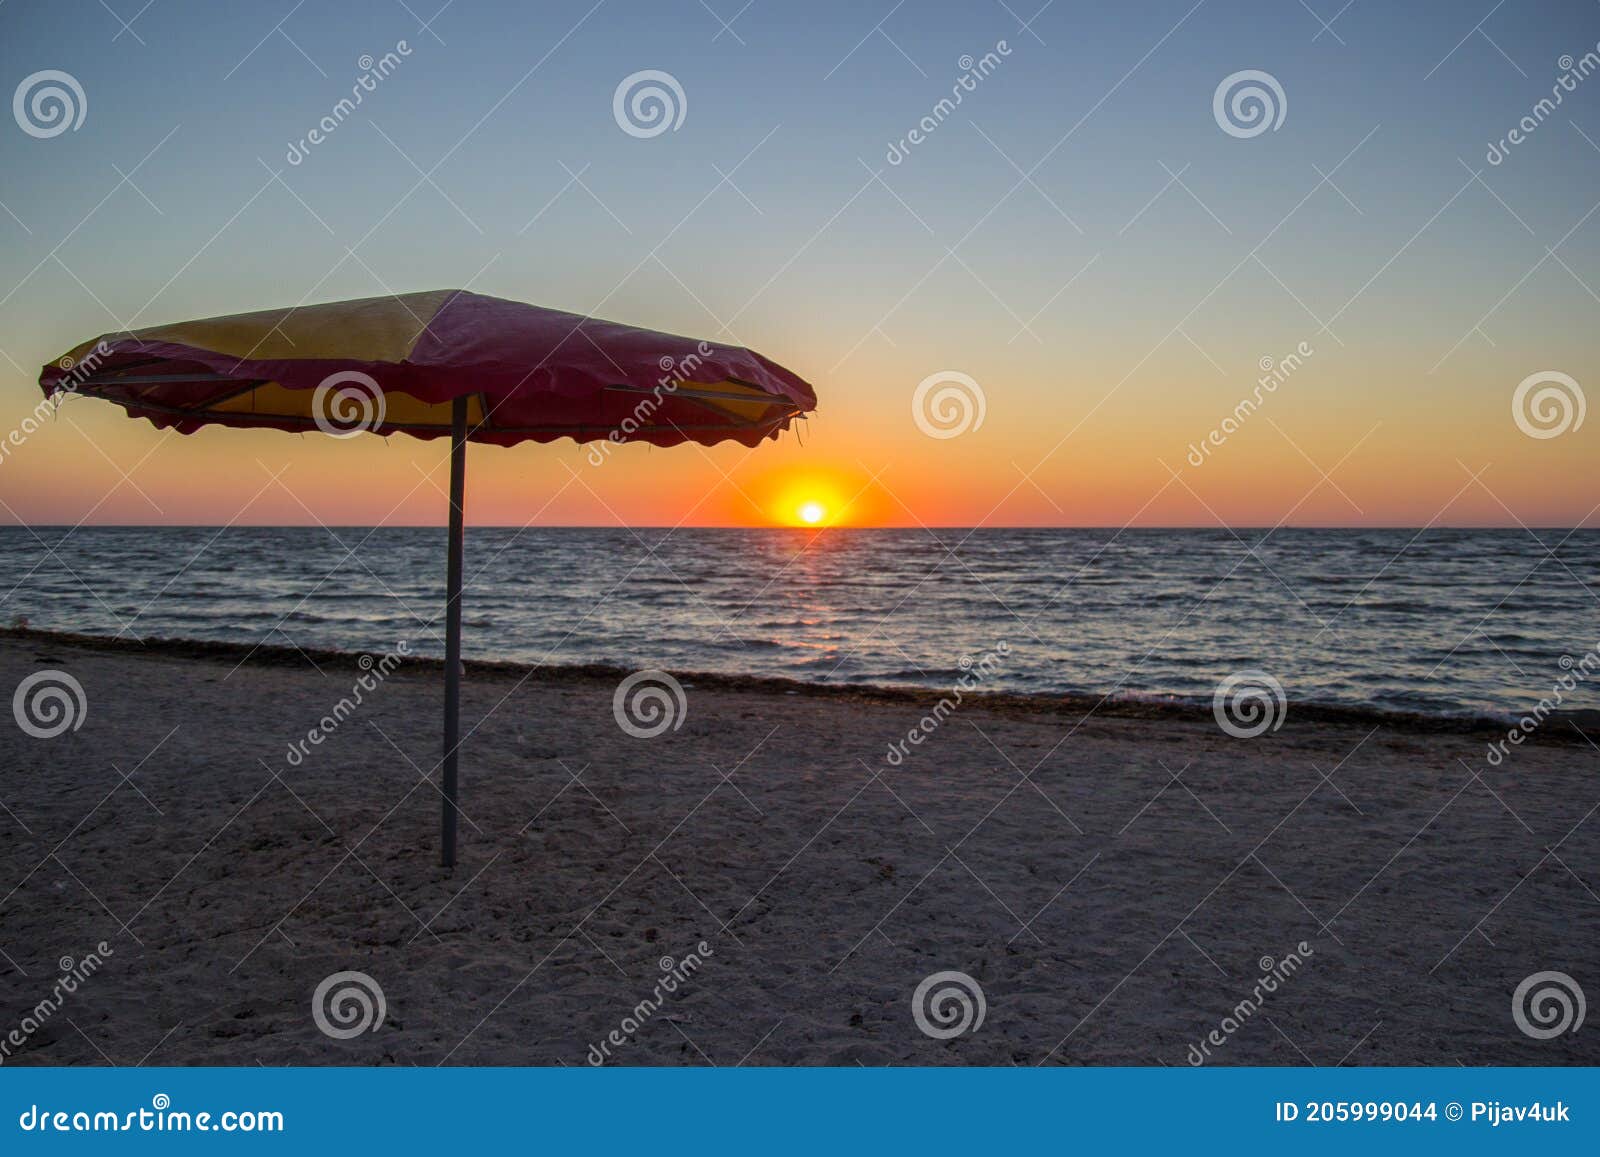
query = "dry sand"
{"x": 1110, "y": 913}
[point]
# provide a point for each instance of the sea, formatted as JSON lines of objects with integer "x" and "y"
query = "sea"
{"x": 1438, "y": 621}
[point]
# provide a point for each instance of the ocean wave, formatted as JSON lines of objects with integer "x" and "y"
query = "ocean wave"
{"x": 1365, "y": 618}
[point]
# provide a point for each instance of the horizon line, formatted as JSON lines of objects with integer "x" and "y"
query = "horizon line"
{"x": 801, "y": 527}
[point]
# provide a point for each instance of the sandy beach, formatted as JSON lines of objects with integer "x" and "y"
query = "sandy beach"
{"x": 1112, "y": 881}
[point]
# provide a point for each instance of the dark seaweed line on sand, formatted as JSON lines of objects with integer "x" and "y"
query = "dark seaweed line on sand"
{"x": 1582, "y": 724}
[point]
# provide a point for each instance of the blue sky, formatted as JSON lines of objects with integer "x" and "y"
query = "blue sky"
{"x": 1069, "y": 236}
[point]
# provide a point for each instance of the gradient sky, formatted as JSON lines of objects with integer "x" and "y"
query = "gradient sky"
{"x": 1111, "y": 315}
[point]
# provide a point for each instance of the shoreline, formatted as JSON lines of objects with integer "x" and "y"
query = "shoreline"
{"x": 1209, "y": 527}
{"x": 1585, "y": 723}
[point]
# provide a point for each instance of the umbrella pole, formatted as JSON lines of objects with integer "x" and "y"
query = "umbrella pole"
{"x": 452, "y": 638}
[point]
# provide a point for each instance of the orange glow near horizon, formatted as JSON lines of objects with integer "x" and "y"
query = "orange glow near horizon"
{"x": 813, "y": 496}
{"x": 862, "y": 463}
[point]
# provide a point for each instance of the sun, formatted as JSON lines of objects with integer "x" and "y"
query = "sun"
{"x": 812, "y": 500}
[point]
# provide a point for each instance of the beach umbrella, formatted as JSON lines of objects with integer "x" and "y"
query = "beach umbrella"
{"x": 445, "y": 363}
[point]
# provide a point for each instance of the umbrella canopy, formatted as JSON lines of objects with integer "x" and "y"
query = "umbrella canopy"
{"x": 527, "y": 372}
{"x": 446, "y": 362}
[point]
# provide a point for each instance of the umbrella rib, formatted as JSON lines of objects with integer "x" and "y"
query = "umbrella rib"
{"x": 245, "y": 387}
{"x": 711, "y": 395}
{"x": 159, "y": 379}
{"x": 262, "y": 418}
{"x": 87, "y": 386}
